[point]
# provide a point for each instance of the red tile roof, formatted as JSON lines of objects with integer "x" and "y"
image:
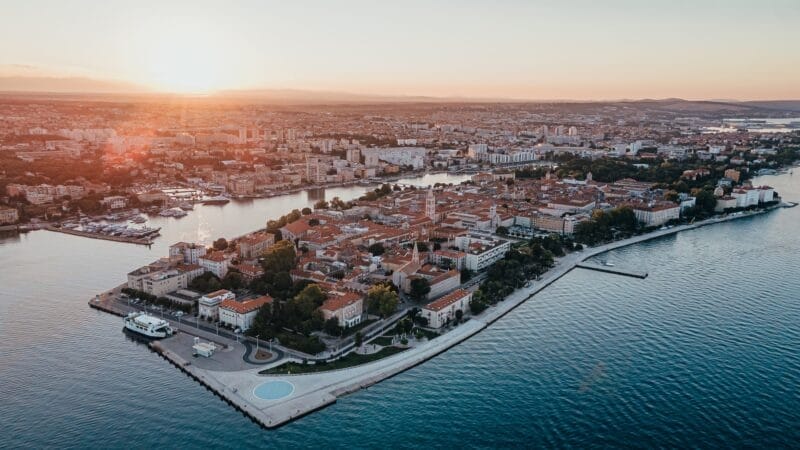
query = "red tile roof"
{"x": 247, "y": 305}
{"x": 447, "y": 300}
{"x": 337, "y": 302}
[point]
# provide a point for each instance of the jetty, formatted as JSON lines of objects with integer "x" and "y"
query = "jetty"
{"x": 107, "y": 237}
{"x": 612, "y": 269}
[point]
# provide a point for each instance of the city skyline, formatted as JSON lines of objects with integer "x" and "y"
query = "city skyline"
{"x": 511, "y": 50}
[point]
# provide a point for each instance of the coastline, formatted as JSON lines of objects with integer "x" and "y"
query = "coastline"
{"x": 315, "y": 391}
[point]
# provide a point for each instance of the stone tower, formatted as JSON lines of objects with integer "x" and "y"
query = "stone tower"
{"x": 430, "y": 205}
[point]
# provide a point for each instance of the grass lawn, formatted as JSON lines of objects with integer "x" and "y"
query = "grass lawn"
{"x": 382, "y": 341}
{"x": 351, "y": 360}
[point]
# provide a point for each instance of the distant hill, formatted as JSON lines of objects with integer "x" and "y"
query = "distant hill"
{"x": 44, "y": 84}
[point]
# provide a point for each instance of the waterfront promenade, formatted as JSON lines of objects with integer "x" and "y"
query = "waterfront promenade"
{"x": 310, "y": 392}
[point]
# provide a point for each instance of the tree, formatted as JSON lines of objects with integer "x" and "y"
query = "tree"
{"x": 466, "y": 275}
{"x": 382, "y": 300}
{"x": 332, "y": 327}
{"x": 313, "y": 222}
{"x": 420, "y": 287}
{"x": 322, "y": 204}
{"x": 477, "y": 305}
{"x": 705, "y": 202}
{"x": 262, "y": 322}
{"x": 376, "y": 249}
{"x": 233, "y": 280}
{"x": 459, "y": 315}
{"x": 502, "y": 231}
{"x": 280, "y": 257}
{"x": 306, "y": 211}
{"x": 358, "y": 339}
{"x": 220, "y": 244}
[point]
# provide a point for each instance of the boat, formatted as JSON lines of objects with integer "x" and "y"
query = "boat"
{"x": 607, "y": 264}
{"x": 216, "y": 200}
{"x": 172, "y": 212}
{"x": 138, "y": 219}
{"x": 152, "y": 327}
{"x": 186, "y": 206}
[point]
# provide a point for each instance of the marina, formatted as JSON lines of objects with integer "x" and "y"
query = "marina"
{"x": 141, "y": 236}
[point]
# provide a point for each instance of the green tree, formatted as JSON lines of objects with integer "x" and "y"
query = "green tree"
{"x": 306, "y": 211}
{"x": 358, "y": 339}
{"x": 420, "y": 287}
{"x": 332, "y": 327}
{"x": 382, "y": 300}
{"x": 705, "y": 202}
{"x": 220, "y": 244}
{"x": 376, "y": 249}
{"x": 280, "y": 257}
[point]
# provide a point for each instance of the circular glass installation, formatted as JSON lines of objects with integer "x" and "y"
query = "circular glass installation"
{"x": 273, "y": 390}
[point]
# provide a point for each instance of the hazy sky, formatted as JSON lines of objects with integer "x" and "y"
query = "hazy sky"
{"x": 501, "y": 48}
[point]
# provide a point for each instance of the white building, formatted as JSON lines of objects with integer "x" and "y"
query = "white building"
{"x": 190, "y": 253}
{"x": 241, "y": 314}
{"x": 401, "y": 156}
{"x": 216, "y": 263}
{"x": 481, "y": 251}
{"x": 440, "y": 311}
{"x": 209, "y": 303}
{"x": 656, "y": 214}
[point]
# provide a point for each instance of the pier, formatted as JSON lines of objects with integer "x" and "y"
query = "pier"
{"x": 107, "y": 237}
{"x": 612, "y": 269}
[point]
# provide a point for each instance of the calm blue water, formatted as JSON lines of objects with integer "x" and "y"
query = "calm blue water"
{"x": 703, "y": 353}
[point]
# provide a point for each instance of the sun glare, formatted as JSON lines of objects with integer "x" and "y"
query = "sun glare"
{"x": 186, "y": 59}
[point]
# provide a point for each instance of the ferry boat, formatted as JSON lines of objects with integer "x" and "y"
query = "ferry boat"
{"x": 149, "y": 326}
{"x": 216, "y": 200}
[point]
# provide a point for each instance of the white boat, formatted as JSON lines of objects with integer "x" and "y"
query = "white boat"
{"x": 172, "y": 212}
{"x": 149, "y": 326}
{"x": 216, "y": 200}
{"x": 186, "y": 206}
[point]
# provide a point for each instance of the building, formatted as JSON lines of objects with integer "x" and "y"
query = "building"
{"x": 441, "y": 311}
{"x": 451, "y": 258}
{"x": 655, "y": 214}
{"x": 481, "y": 251}
{"x": 430, "y": 206}
{"x": 295, "y": 230}
{"x": 114, "y": 202}
{"x": 208, "y": 305}
{"x": 8, "y": 215}
{"x": 216, "y": 263}
{"x": 189, "y": 253}
{"x": 442, "y": 283}
{"x": 346, "y": 307}
{"x": 254, "y": 245}
{"x": 165, "y": 281}
{"x": 241, "y": 314}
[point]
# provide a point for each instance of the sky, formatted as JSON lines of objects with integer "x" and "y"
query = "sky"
{"x": 569, "y": 49}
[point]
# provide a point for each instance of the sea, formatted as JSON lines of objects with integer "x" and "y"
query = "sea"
{"x": 703, "y": 353}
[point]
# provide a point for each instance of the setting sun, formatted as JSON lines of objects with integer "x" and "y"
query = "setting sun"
{"x": 185, "y": 58}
